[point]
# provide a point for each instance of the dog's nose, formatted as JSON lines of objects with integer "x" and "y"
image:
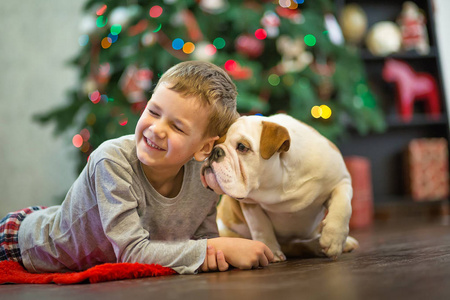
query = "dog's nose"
{"x": 217, "y": 154}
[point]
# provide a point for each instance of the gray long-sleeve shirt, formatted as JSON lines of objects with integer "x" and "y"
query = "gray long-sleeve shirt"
{"x": 113, "y": 214}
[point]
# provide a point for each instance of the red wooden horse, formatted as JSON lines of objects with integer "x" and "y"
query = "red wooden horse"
{"x": 412, "y": 86}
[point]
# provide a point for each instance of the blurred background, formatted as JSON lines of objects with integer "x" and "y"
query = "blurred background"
{"x": 75, "y": 73}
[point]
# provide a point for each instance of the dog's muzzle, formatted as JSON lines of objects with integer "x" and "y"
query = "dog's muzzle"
{"x": 217, "y": 154}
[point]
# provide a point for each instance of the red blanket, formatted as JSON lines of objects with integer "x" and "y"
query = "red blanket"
{"x": 13, "y": 272}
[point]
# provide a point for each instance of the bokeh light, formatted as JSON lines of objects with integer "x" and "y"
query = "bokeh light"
{"x": 210, "y": 50}
{"x": 326, "y": 111}
{"x": 274, "y": 79}
{"x": 95, "y": 97}
{"x": 85, "y": 134}
{"x": 83, "y": 40}
{"x": 156, "y": 11}
{"x": 157, "y": 28}
{"x": 113, "y": 38}
{"x": 316, "y": 112}
{"x": 219, "y": 43}
{"x": 123, "y": 120}
{"x": 101, "y": 21}
{"x": 323, "y": 111}
{"x": 230, "y": 65}
{"x": 310, "y": 40}
{"x": 116, "y": 29}
{"x": 188, "y": 48}
{"x": 260, "y": 34}
{"x": 299, "y": 1}
{"x": 77, "y": 140}
{"x": 177, "y": 44}
{"x": 106, "y": 43}
{"x": 91, "y": 119}
{"x": 101, "y": 10}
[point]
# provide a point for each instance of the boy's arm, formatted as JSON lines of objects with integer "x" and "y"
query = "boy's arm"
{"x": 208, "y": 228}
{"x": 120, "y": 221}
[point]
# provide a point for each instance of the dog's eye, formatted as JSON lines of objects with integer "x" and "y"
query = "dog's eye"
{"x": 242, "y": 148}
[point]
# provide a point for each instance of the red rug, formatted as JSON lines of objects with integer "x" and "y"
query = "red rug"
{"x": 13, "y": 272}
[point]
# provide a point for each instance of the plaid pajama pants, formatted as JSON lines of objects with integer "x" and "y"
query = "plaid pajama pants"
{"x": 9, "y": 233}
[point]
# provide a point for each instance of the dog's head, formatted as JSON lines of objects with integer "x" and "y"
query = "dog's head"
{"x": 251, "y": 147}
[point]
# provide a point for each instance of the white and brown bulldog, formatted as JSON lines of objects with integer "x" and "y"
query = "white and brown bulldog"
{"x": 292, "y": 188}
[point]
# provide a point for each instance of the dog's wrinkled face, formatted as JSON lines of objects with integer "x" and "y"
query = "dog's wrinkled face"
{"x": 235, "y": 165}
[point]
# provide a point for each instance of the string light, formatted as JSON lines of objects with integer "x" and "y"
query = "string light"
{"x": 101, "y": 21}
{"x": 77, "y": 140}
{"x": 274, "y": 79}
{"x": 116, "y": 29}
{"x": 230, "y": 65}
{"x": 83, "y": 40}
{"x": 177, "y": 44}
{"x": 188, "y": 48}
{"x": 260, "y": 34}
{"x": 156, "y": 11}
{"x": 322, "y": 111}
{"x": 310, "y": 40}
{"x": 106, "y": 43}
{"x": 101, "y": 10}
{"x": 219, "y": 43}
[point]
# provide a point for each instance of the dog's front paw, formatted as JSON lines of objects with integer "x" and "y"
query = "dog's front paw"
{"x": 332, "y": 241}
{"x": 278, "y": 256}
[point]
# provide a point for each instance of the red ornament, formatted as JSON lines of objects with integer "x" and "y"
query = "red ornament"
{"x": 249, "y": 46}
{"x": 235, "y": 70}
{"x": 412, "y": 86}
{"x": 135, "y": 82}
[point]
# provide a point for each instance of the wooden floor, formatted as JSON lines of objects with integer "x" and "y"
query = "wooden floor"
{"x": 396, "y": 260}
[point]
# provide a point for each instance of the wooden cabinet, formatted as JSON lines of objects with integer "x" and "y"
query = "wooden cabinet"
{"x": 386, "y": 150}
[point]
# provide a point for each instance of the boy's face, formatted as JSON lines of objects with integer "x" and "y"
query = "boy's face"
{"x": 170, "y": 130}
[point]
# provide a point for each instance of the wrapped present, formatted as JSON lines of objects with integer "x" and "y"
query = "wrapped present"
{"x": 362, "y": 201}
{"x": 427, "y": 169}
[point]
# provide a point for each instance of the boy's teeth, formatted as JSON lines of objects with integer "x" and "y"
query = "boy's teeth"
{"x": 153, "y": 145}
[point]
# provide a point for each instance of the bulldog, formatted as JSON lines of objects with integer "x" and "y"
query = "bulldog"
{"x": 283, "y": 184}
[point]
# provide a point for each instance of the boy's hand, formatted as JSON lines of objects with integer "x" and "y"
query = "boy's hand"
{"x": 214, "y": 260}
{"x": 243, "y": 253}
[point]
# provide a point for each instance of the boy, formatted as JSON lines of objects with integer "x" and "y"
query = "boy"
{"x": 140, "y": 198}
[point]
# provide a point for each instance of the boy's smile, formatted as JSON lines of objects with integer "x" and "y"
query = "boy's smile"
{"x": 170, "y": 132}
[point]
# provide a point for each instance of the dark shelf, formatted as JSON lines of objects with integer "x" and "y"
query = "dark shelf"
{"x": 394, "y": 121}
{"x": 366, "y": 55}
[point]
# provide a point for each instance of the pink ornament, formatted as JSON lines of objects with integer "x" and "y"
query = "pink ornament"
{"x": 249, "y": 45}
{"x": 412, "y": 86}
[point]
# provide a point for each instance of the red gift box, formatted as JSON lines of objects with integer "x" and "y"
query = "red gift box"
{"x": 427, "y": 169}
{"x": 362, "y": 201}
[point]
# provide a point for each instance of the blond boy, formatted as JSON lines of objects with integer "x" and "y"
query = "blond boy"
{"x": 139, "y": 198}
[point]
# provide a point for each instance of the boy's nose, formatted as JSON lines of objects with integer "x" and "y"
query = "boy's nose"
{"x": 158, "y": 129}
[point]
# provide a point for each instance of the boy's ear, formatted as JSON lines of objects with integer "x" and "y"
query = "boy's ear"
{"x": 204, "y": 152}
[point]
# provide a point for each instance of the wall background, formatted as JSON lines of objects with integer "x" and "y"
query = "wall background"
{"x": 37, "y": 38}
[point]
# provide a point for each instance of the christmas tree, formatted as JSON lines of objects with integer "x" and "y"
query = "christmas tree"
{"x": 284, "y": 56}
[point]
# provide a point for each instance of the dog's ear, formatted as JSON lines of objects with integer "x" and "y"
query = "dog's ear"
{"x": 274, "y": 138}
{"x": 221, "y": 139}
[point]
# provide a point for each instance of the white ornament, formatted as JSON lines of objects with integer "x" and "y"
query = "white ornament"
{"x": 88, "y": 24}
{"x": 384, "y": 38}
{"x": 122, "y": 15}
{"x": 334, "y": 31}
{"x": 214, "y": 6}
{"x": 204, "y": 51}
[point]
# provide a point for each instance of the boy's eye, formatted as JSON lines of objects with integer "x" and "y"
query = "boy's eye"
{"x": 178, "y": 129}
{"x": 153, "y": 113}
{"x": 242, "y": 148}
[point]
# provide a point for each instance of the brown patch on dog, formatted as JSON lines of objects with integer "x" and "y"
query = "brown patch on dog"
{"x": 274, "y": 138}
{"x": 230, "y": 212}
{"x": 221, "y": 139}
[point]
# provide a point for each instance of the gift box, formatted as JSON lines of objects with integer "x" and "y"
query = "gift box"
{"x": 362, "y": 201}
{"x": 427, "y": 169}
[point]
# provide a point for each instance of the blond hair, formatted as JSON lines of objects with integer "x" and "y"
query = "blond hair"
{"x": 209, "y": 84}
